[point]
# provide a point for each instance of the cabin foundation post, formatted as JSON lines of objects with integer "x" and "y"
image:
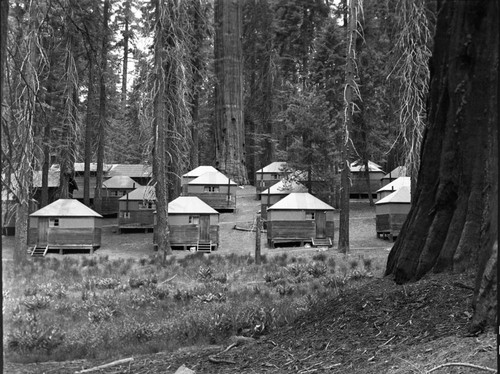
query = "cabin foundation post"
{"x": 61, "y": 251}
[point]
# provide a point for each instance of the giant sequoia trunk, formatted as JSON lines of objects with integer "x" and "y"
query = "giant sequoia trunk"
{"x": 229, "y": 125}
{"x": 453, "y": 221}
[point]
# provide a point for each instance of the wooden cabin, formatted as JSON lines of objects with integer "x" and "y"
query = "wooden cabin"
{"x": 359, "y": 186}
{"x": 136, "y": 209}
{"x": 269, "y": 175}
{"x": 65, "y": 224}
{"x": 195, "y": 173}
{"x": 391, "y": 212}
{"x": 79, "y": 179}
{"x": 113, "y": 189}
{"x": 400, "y": 171}
{"x": 53, "y": 180}
{"x": 140, "y": 173}
{"x": 395, "y": 185}
{"x": 302, "y": 218}
{"x": 277, "y": 192}
{"x": 192, "y": 224}
{"x": 215, "y": 189}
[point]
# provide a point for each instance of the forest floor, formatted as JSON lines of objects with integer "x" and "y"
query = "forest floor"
{"x": 373, "y": 326}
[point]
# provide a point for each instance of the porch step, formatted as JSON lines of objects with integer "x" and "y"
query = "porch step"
{"x": 204, "y": 247}
{"x": 39, "y": 251}
{"x": 326, "y": 242}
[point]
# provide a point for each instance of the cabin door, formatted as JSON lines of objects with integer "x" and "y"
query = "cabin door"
{"x": 320, "y": 218}
{"x": 43, "y": 231}
{"x": 204, "y": 228}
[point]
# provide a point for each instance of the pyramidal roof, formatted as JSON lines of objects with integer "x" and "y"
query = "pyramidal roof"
{"x": 273, "y": 167}
{"x": 200, "y": 170}
{"x": 358, "y": 166}
{"x": 396, "y": 184}
{"x": 191, "y": 205}
{"x": 401, "y": 196}
{"x": 301, "y": 200}
{"x": 65, "y": 208}
{"x": 141, "y": 193}
{"x": 399, "y": 171}
{"x": 120, "y": 181}
{"x": 216, "y": 178}
{"x": 130, "y": 170}
{"x": 284, "y": 187}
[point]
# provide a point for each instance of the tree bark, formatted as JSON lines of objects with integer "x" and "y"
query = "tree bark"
{"x": 4, "y": 10}
{"x": 452, "y": 224}
{"x": 345, "y": 178}
{"x": 229, "y": 124}
{"x": 102, "y": 122}
{"x": 89, "y": 125}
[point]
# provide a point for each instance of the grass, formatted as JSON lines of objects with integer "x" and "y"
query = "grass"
{"x": 97, "y": 308}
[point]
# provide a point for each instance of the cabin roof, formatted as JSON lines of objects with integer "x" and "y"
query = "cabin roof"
{"x": 274, "y": 167}
{"x": 396, "y": 184}
{"x": 401, "y": 196}
{"x": 284, "y": 187}
{"x": 300, "y": 201}
{"x": 400, "y": 171}
{"x": 120, "y": 181}
{"x": 190, "y": 205}
{"x": 216, "y": 178}
{"x": 141, "y": 193}
{"x": 200, "y": 170}
{"x": 357, "y": 166}
{"x": 53, "y": 179}
{"x": 65, "y": 208}
{"x": 131, "y": 170}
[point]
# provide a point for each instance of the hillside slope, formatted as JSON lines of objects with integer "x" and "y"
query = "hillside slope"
{"x": 373, "y": 326}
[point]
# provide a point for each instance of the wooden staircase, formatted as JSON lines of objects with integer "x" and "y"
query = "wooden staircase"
{"x": 39, "y": 251}
{"x": 326, "y": 242}
{"x": 204, "y": 246}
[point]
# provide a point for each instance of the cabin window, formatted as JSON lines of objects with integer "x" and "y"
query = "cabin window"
{"x": 125, "y": 214}
{"x": 275, "y": 176}
{"x": 147, "y": 205}
{"x": 211, "y": 189}
{"x": 194, "y": 220}
{"x": 228, "y": 198}
{"x": 113, "y": 193}
{"x": 54, "y": 222}
{"x": 309, "y": 215}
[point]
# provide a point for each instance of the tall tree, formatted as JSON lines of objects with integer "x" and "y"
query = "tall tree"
{"x": 453, "y": 222}
{"x": 229, "y": 123}
{"x": 349, "y": 97}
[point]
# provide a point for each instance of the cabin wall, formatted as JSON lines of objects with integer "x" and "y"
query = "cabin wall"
{"x": 359, "y": 182}
{"x": 75, "y": 222}
{"x": 200, "y": 189}
{"x": 395, "y": 208}
{"x": 293, "y": 215}
{"x": 183, "y": 219}
{"x": 141, "y": 218}
{"x": 218, "y": 201}
{"x": 389, "y": 223}
{"x": 187, "y": 235}
{"x": 296, "y": 230}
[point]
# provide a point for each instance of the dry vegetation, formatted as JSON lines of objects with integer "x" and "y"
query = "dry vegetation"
{"x": 307, "y": 311}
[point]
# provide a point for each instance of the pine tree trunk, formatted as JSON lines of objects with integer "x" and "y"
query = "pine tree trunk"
{"x": 345, "y": 178}
{"x": 102, "y": 122}
{"x": 196, "y": 83}
{"x": 451, "y": 225}
{"x": 229, "y": 124}
{"x": 4, "y": 11}
{"x": 89, "y": 127}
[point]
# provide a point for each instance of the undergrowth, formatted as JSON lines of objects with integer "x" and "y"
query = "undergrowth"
{"x": 74, "y": 308}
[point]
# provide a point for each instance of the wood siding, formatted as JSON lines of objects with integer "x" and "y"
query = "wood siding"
{"x": 359, "y": 186}
{"x": 295, "y": 231}
{"x": 75, "y": 238}
{"x": 188, "y": 235}
{"x": 143, "y": 218}
{"x": 389, "y": 223}
{"x": 218, "y": 201}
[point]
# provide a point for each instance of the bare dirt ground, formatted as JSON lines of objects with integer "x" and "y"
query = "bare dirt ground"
{"x": 374, "y": 326}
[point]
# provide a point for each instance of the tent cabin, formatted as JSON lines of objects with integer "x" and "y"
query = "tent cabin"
{"x": 269, "y": 175}
{"x": 192, "y": 224}
{"x": 53, "y": 180}
{"x": 135, "y": 209}
{"x": 140, "y": 173}
{"x": 400, "y": 171}
{"x": 395, "y": 185}
{"x": 113, "y": 189}
{"x": 300, "y": 217}
{"x": 215, "y": 189}
{"x": 195, "y": 173}
{"x": 359, "y": 187}
{"x": 277, "y": 192}
{"x": 391, "y": 212}
{"x": 64, "y": 224}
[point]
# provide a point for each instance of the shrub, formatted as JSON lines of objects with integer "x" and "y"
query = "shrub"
{"x": 367, "y": 263}
{"x": 320, "y": 257}
{"x": 317, "y": 269}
